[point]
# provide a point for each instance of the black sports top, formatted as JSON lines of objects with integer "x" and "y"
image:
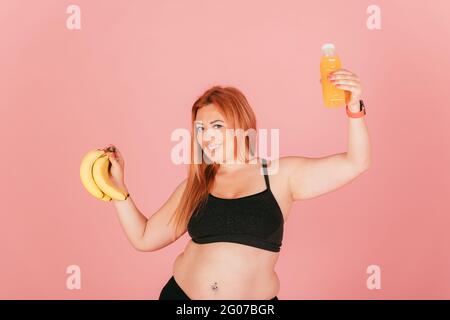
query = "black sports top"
{"x": 255, "y": 220}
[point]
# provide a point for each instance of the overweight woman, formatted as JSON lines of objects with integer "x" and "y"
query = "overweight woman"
{"x": 234, "y": 204}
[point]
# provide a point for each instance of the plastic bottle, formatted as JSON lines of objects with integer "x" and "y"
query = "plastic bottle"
{"x": 332, "y": 96}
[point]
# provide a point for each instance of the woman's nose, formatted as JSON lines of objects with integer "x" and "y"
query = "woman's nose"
{"x": 211, "y": 136}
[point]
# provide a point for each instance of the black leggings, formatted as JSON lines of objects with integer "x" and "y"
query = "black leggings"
{"x": 172, "y": 291}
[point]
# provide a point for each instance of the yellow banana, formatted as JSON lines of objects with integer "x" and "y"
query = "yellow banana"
{"x": 106, "y": 197}
{"x": 87, "y": 178}
{"x": 100, "y": 172}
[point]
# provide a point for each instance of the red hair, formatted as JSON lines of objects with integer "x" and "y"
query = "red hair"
{"x": 237, "y": 111}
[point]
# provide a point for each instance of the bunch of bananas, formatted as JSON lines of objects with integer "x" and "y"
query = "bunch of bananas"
{"x": 94, "y": 174}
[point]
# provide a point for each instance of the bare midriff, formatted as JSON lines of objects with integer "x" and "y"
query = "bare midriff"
{"x": 226, "y": 270}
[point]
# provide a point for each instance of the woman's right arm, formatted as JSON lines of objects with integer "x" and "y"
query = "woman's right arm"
{"x": 144, "y": 234}
{"x": 153, "y": 233}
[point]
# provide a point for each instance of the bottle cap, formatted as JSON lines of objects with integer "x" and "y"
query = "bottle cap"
{"x": 328, "y": 46}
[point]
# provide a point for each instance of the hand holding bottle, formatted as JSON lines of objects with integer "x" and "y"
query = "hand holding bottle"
{"x": 339, "y": 86}
{"x": 348, "y": 81}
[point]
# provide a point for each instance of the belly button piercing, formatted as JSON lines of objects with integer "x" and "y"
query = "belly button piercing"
{"x": 214, "y": 286}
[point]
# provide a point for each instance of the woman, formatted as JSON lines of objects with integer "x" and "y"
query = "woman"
{"x": 234, "y": 214}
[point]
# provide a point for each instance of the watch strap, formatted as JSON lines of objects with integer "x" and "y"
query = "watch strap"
{"x": 359, "y": 114}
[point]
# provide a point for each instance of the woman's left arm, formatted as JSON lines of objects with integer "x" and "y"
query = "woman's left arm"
{"x": 311, "y": 177}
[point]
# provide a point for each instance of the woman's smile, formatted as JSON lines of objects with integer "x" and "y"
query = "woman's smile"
{"x": 213, "y": 146}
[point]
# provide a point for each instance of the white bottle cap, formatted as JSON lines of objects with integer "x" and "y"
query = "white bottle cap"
{"x": 328, "y": 46}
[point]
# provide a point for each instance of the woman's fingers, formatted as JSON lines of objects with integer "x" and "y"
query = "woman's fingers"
{"x": 347, "y": 87}
{"x": 349, "y": 82}
{"x": 346, "y": 80}
{"x": 118, "y": 154}
{"x": 107, "y": 148}
{"x": 110, "y": 155}
{"x": 355, "y": 88}
{"x": 113, "y": 159}
{"x": 343, "y": 77}
{"x": 112, "y": 149}
{"x": 111, "y": 152}
{"x": 342, "y": 71}
{"x": 343, "y": 74}
{"x": 115, "y": 154}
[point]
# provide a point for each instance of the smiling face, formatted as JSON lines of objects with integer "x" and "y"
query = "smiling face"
{"x": 211, "y": 134}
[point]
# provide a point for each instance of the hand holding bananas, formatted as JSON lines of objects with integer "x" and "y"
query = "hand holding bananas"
{"x": 102, "y": 174}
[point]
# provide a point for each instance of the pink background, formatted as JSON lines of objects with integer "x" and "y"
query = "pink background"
{"x": 129, "y": 77}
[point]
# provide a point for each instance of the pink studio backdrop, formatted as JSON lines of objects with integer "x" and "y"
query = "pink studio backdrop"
{"x": 129, "y": 77}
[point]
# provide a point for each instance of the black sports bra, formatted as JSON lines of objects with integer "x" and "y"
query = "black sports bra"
{"x": 255, "y": 220}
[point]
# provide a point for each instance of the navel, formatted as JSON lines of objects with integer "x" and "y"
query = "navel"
{"x": 214, "y": 287}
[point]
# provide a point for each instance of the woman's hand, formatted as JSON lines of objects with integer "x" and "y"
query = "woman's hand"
{"x": 347, "y": 80}
{"x": 116, "y": 172}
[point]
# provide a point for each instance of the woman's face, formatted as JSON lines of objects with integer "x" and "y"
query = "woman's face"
{"x": 210, "y": 127}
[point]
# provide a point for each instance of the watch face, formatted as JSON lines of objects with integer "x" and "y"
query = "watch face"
{"x": 362, "y": 107}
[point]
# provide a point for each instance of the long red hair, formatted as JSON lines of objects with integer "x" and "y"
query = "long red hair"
{"x": 236, "y": 110}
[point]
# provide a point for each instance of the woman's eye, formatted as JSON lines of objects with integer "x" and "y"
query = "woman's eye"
{"x": 216, "y": 126}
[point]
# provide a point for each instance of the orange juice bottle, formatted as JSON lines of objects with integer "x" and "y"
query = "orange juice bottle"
{"x": 332, "y": 96}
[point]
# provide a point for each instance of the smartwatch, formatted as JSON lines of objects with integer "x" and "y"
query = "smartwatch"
{"x": 360, "y": 113}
